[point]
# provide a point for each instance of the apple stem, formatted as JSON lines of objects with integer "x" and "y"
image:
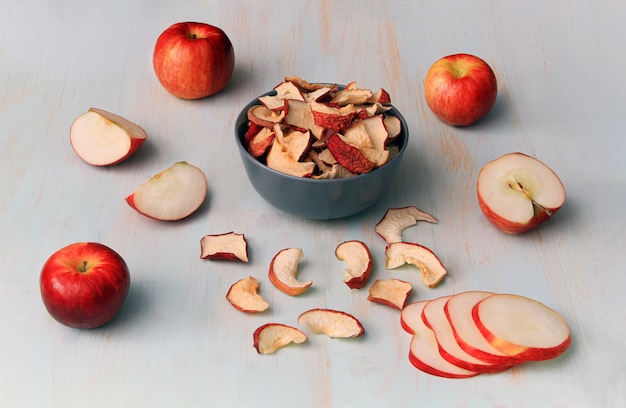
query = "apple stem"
{"x": 83, "y": 267}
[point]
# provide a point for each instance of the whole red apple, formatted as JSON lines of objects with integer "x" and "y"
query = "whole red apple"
{"x": 193, "y": 60}
{"x": 83, "y": 285}
{"x": 460, "y": 89}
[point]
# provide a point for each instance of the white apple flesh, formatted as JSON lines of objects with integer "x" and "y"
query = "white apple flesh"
{"x": 333, "y": 323}
{"x": 270, "y": 337}
{"x": 283, "y": 272}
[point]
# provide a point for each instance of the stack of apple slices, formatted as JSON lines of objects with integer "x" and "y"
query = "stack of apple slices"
{"x": 472, "y": 333}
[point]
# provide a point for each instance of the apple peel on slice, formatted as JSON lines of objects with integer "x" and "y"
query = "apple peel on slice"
{"x": 333, "y": 323}
{"x": 172, "y": 194}
{"x": 244, "y": 296}
{"x": 229, "y": 246}
{"x": 359, "y": 263}
{"x": 391, "y": 292}
{"x": 396, "y": 220}
{"x": 102, "y": 138}
{"x": 401, "y": 253}
{"x": 270, "y": 337}
{"x": 284, "y": 269}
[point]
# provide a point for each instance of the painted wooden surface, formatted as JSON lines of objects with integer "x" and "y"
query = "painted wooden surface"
{"x": 177, "y": 341}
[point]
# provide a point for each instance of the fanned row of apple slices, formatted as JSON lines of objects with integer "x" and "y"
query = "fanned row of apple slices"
{"x": 476, "y": 332}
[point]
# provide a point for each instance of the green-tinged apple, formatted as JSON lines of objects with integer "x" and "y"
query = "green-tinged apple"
{"x": 460, "y": 89}
{"x": 517, "y": 192}
{"x": 84, "y": 285}
{"x": 193, "y": 60}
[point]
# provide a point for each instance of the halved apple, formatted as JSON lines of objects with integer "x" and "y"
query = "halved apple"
{"x": 272, "y": 336}
{"x": 401, "y": 253}
{"x": 229, "y": 246}
{"x": 284, "y": 269}
{"x": 391, "y": 292}
{"x": 101, "y": 138}
{"x": 359, "y": 262}
{"x": 244, "y": 296}
{"x": 172, "y": 194}
{"x": 333, "y": 323}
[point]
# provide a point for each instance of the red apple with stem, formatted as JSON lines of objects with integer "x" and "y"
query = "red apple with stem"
{"x": 193, "y": 60}
{"x": 460, "y": 89}
{"x": 84, "y": 285}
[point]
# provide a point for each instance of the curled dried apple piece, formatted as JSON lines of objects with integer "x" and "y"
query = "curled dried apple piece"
{"x": 270, "y": 337}
{"x": 261, "y": 142}
{"x": 401, "y": 253}
{"x": 396, "y": 220}
{"x": 229, "y": 246}
{"x": 284, "y": 269}
{"x": 347, "y": 155}
{"x": 391, "y": 292}
{"x": 333, "y": 323}
{"x": 244, "y": 296}
{"x": 359, "y": 263}
{"x": 263, "y": 116}
{"x": 279, "y": 158}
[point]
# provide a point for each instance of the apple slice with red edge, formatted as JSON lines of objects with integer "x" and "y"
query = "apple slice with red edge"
{"x": 284, "y": 270}
{"x": 424, "y": 349}
{"x": 333, "y": 323}
{"x": 517, "y": 192}
{"x": 229, "y": 246}
{"x": 102, "y": 138}
{"x": 358, "y": 262}
{"x": 401, "y": 253}
{"x": 244, "y": 296}
{"x": 172, "y": 194}
{"x": 391, "y": 292}
{"x": 270, "y": 337}
{"x": 396, "y": 220}
{"x": 522, "y": 327}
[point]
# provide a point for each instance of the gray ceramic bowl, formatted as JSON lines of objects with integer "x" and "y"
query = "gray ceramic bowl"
{"x": 314, "y": 198}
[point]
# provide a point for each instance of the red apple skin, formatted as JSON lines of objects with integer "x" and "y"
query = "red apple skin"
{"x": 460, "y": 89}
{"x": 83, "y": 285}
{"x": 511, "y": 227}
{"x": 193, "y": 60}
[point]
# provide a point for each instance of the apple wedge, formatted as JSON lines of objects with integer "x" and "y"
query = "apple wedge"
{"x": 229, "y": 246}
{"x": 172, "y": 194}
{"x": 101, "y": 138}
{"x": 333, "y": 323}
{"x": 359, "y": 263}
{"x": 522, "y": 327}
{"x": 396, "y": 220}
{"x": 401, "y": 253}
{"x": 424, "y": 350}
{"x": 244, "y": 296}
{"x": 270, "y": 337}
{"x": 517, "y": 192}
{"x": 284, "y": 269}
{"x": 391, "y": 292}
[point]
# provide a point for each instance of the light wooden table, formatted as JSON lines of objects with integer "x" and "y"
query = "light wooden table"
{"x": 177, "y": 342}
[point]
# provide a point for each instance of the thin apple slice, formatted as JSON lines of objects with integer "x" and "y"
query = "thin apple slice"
{"x": 396, "y": 220}
{"x": 172, "y": 194}
{"x": 391, "y": 292}
{"x": 435, "y": 318}
{"x": 370, "y": 136}
{"x": 332, "y": 117}
{"x": 229, "y": 246}
{"x": 265, "y": 117}
{"x": 401, "y": 253}
{"x": 347, "y": 155}
{"x": 522, "y": 327}
{"x": 359, "y": 262}
{"x": 101, "y": 138}
{"x": 424, "y": 350}
{"x": 261, "y": 142}
{"x": 333, "y": 323}
{"x": 284, "y": 269}
{"x": 299, "y": 115}
{"x": 458, "y": 310}
{"x": 517, "y": 192}
{"x": 270, "y": 337}
{"x": 279, "y": 158}
{"x": 244, "y": 296}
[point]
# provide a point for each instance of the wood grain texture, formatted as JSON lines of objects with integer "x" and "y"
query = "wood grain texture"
{"x": 177, "y": 341}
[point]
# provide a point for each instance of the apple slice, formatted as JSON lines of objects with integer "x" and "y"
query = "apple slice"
{"x": 102, "y": 138}
{"x": 458, "y": 310}
{"x": 424, "y": 350}
{"x": 261, "y": 142}
{"x": 391, "y": 292}
{"x": 347, "y": 155}
{"x": 517, "y": 192}
{"x": 229, "y": 246}
{"x": 400, "y": 253}
{"x": 333, "y": 323}
{"x": 284, "y": 269}
{"x": 244, "y": 296}
{"x": 435, "y": 318}
{"x": 172, "y": 194}
{"x": 272, "y": 336}
{"x": 522, "y": 327}
{"x": 359, "y": 262}
{"x": 396, "y": 220}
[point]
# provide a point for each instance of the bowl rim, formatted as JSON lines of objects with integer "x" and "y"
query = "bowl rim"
{"x": 242, "y": 118}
